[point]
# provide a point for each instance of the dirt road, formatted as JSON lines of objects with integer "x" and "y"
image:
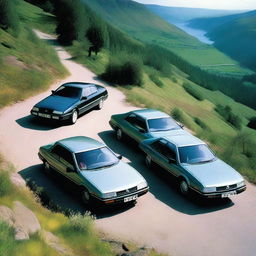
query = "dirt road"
{"x": 161, "y": 219}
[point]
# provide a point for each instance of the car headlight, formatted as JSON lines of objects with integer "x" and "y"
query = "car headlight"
{"x": 209, "y": 189}
{"x": 240, "y": 184}
{"x": 142, "y": 185}
{"x": 109, "y": 195}
{"x": 35, "y": 109}
{"x": 57, "y": 112}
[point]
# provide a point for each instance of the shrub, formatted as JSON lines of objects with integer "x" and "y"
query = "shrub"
{"x": 252, "y": 123}
{"x": 202, "y": 124}
{"x": 7, "y": 242}
{"x": 127, "y": 73}
{"x": 5, "y": 183}
{"x": 193, "y": 92}
{"x": 155, "y": 79}
{"x": 229, "y": 116}
{"x": 95, "y": 36}
{"x": 177, "y": 114}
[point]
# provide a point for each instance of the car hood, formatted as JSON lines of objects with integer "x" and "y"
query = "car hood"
{"x": 56, "y": 103}
{"x": 169, "y": 133}
{"x": 216, "y": 173}
{"x": 115, "y": 178}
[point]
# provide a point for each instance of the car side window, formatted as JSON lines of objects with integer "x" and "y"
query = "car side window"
{"x": 86, "y": 92}
{"x": 93, "y": 89}
{"x": 63, "y": 153}
{"x": 136, "y": 121}
{"x": 131, "y": 118}
{"x": 164, "y": 149}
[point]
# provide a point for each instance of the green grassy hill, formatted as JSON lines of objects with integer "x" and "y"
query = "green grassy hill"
{"x": 235, "y": 35}
{"x": 24, "y": 71}
{"x": 136, "y": 20}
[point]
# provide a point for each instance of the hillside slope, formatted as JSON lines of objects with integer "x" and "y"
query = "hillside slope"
{"x": 133, "y": 18}
{"x": 235, "y": 35}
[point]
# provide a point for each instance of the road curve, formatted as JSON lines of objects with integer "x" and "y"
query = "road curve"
{"x": 162, "y": 219}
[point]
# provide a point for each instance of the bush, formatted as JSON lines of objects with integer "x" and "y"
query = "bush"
{"x": 252, "y": 123}
{"x": 5, "y": 183}
{"x": 193, "y": 92}
{"x": 229, "y": 116}
{"x": 127, "y": 73}
{"x": 202, "y": 124}
{"x": 155, "y": 79}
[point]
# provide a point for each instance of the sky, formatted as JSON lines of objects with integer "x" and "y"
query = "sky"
{"x": 210, "y": 4}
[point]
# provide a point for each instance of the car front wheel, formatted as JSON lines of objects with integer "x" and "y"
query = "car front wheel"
{"x": 74, "y": 117}
{"x": 183, "y": 187}
{"x": 85, "y": 196}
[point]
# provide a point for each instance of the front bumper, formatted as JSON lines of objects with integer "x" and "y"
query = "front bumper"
{"x": 51, "y": 116}
{"x": 119, "y": 200}
{"x": 222, "y": 194}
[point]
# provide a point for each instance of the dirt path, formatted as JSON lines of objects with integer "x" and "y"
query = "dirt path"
{"x": 161, "y": 219}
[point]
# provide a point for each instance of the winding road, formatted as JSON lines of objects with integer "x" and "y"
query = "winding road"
{"x": 162, "y": 218}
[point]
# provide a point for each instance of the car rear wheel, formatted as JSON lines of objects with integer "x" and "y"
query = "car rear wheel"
{"x": 85, "y": 196}
{"x": 47, "y": 168}
{"x": 148, "y": 161}
{"x": 74, "y": 117}
{"x": 119, "y": 134}
{"x": 100, "y": 105}
{"x": 183, "y": 187}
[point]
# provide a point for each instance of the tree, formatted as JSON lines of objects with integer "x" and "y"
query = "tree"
{"x": 95, "y": 36}
{"x": 8, "y": 15}
{"x": 71, "y": 20}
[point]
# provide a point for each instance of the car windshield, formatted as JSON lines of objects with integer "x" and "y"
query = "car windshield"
{"x": 195, "y": 154}
{"x": 70, "y": 92}
{"x": 96, "y": 158}
{"x": 162, "y": 124}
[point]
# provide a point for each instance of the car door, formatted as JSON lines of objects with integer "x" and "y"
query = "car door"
{"x": 89, "y": 99}
{"x": 135, "y": 127}
{"x": 165, "y": 155}
{"x": 54, "y": 159}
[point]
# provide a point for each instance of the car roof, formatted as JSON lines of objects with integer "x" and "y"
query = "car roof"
{"x": 80, "y": 143}
{"x": 184, "y": 140}
{"x": 149, "y": 113}
{"x": 78, "y": 84}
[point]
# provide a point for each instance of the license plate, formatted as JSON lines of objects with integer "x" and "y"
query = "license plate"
{"x": 130, "y": 198}
{"x": 228, "y": 194}
{"x": 44, "y": 115}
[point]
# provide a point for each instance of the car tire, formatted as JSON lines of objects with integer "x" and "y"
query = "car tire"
{"x": 74, "y": 117}
{"x": 148, "y": 161}
{"x": 47, "y": 168}
{"x": 119, "y": 134}
{"x": 183, "y": 187}
{"x": 100, "y": 105}
{"x": 85, "y": 196}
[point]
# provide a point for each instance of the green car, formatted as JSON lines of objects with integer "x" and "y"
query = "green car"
{"x": 97, "y": 171}
{"x": 144, "y": 124}
{"x": 194, "y": 165}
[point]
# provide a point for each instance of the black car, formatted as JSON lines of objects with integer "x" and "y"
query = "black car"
{"x": 70, "y": 100}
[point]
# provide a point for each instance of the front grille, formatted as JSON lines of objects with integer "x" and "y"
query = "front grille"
{"x": 126, "y": 192}
{"x": 224, "y": 188}
{"x": 45, "y": 110}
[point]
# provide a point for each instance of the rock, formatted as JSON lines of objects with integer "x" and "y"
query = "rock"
{"x": 7, "y": 215}
{"x": 20, "y": 234}
{"x": 25, "y": 219}
{"x": 17, "y": 180}
{"x": 55, "y": 243}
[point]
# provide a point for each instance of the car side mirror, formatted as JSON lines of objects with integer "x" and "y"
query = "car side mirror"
{"x": 84, "y": 98}
{"x": 181, "y": 125}
{"x": 172, "y": 161}
{"x": 53, "y": 91}
{"x": 142, "y": 130}
{"x": 70, "y": 170}
{"x": 119, "y": 156}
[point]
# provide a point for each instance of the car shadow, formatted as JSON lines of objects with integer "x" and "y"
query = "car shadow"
{"x": 35, "y": 123}
{"x": 162, "y": 186}
{"x": 59, "y": 195}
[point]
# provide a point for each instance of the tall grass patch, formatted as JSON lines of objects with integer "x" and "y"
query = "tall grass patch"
{"x": 5, "y": 183}
{"x": 193, "y": 92}
{"x": 7, "y": 242}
